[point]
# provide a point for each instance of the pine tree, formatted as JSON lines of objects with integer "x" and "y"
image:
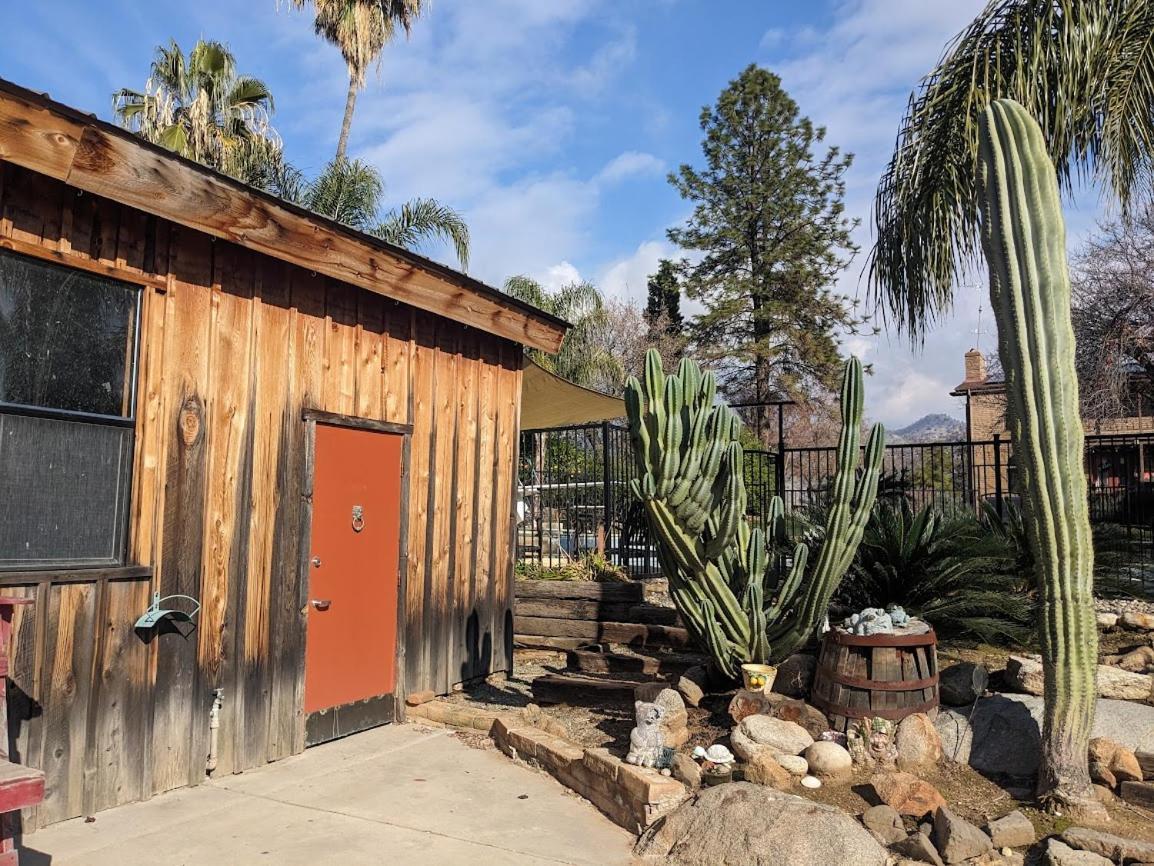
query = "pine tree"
{"x": 663, "y": 307}
{"x": 769, "y": 220}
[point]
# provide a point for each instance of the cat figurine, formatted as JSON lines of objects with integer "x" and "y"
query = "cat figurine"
{"x": 646, "y": 740}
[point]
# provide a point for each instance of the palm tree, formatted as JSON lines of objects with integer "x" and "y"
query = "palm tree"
{"x": 350, "y": 191}
{"x": 1083, "y": 68}
{"x": 583, "y": 358}
{"x": 359, "y": 29}
{"x": 199, "y": 106}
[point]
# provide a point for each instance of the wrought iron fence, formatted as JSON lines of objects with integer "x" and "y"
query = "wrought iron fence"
{"x": 574, "y": 497}
{"x": 574, "y": 489}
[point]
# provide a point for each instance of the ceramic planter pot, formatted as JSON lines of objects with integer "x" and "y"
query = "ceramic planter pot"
{"x": 758, "y": 678}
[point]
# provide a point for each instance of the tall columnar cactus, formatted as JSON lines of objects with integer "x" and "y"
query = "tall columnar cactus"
{"x": 1024, "y": 239}
{"x": 722, "y": 574}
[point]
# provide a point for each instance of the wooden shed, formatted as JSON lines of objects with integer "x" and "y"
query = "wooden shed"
{"x": 205, "y": 392}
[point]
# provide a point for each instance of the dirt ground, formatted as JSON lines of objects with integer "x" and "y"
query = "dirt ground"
{"x": 595, "y": 720}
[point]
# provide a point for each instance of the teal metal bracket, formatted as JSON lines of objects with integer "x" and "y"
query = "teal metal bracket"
{"x": 155, "y": 613}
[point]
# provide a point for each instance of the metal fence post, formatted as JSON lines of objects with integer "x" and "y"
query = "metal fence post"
{"x": 998, "y": 473}
{"x": 606, "y": 492}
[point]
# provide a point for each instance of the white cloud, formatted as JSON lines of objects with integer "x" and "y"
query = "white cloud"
{"x": 630, "y": 164}
{"x": 558, "y": 275}
{"x": 626, "y": 278}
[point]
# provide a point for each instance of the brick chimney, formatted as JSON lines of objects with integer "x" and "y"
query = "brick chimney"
{"x": 975, "y": 367}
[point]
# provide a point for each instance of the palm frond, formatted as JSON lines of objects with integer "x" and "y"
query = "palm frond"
{"x": 421, "y": 219}
{"x": 1083, "y": 68}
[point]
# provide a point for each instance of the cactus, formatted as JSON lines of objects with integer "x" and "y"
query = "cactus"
{"x": 690, "y": 481}
{"x": 1024, "y": 239}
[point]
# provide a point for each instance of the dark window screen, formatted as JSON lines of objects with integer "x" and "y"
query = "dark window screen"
{"x": 66, "y": 338}
{"x": 63, "y": 492}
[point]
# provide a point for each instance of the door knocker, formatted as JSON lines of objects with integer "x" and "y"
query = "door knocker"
{"x": 358, "y": 518}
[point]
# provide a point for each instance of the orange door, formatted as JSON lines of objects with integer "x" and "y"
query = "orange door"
{"x": 350, "y": 651}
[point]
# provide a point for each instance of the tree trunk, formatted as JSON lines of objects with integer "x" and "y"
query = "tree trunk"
{"x": 346, "y": 124}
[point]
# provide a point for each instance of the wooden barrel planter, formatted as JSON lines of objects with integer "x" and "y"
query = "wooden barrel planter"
{"x": 887, "y": 675}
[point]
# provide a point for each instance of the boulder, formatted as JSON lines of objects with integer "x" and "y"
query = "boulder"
{"x": 828, "y": 760}
{"x": 1011, "y": 831}
{"x": 780, "y": 737}
{"x": 1112, "y": 763}
{"x": 1125, "y": 766}
{"x": 795, "y": 675}
{"x": 1000, "y": 736}
{"x": 686, "y": 770}
{"x": 918, "y": 847}
{"x": 675, "y": 723}
{"x": 1100, "y": 775}
{"x": 809, "y": 717}
{"x": 1102, "y": 793}
{"x": 885, "y": 823}
{"x": 1102, "y": 750}
{"x": 1057, "y": 853}
{"x": 1107, "y": 620}
{"x": 740, "y": 824}
{"x": 957, "y": 839}
{"x": 763, "y": 769}
{"x": 1114, "y": 848}
{"x": 1025, "y": 673}
{"x": 692, "y": 685}
{"x": 918, "y": 743}
{"x": 960, "y": 685}
{"x": 795, "y": 764}
{"x": 908, "y": 794}
{"x": 1137, "y": 620}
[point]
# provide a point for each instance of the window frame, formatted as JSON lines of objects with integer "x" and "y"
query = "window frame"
{"x": 127, "y": 422}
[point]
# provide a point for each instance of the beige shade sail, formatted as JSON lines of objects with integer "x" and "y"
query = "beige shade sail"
{"x": 547, "y": 400}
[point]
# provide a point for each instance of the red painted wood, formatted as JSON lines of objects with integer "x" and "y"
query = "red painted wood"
{"x": 20, "y": 786}
{"x": 350, "y": 653}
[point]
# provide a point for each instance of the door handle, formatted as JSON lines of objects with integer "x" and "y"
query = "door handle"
{"x": 322, "y": 603}
{"x": 316, "y": 560}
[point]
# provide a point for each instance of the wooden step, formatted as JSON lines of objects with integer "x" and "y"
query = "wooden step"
{"x": 629, "y": 593}
{"x": 594, "y": 609}
{"x": 1138, "y": 793}
{"x": 592, "y": 662}
{"x": 562, "y": 688}
{"x": 633, "y": 634}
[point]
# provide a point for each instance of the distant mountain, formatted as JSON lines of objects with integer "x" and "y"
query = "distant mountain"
{"x": 931, "y": 428}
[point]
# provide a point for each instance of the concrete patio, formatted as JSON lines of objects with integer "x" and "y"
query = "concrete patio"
{"x": 398, "y": 794}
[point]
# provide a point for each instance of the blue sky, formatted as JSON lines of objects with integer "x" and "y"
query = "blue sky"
{"x": 551, "y": 124}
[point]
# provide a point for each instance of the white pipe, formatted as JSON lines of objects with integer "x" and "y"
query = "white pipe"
{"x": 213, "y": 729}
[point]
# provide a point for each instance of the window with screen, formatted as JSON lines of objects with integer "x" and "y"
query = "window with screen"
{"x": 68, "y": 343}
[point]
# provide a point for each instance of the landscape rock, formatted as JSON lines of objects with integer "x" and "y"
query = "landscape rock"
{"x": 1100, "y": 775}
{"x": 918, "y": 742}
{"x": 1025, "y": 673}
{"x": 1112, "y": 763}
{"x": 748, "y": 703}
{"x": 1107, "y": 620}
{"x": 1102, "y": 793}
{"x": 809, "y": 717}
{"x": 781, "y": 737}
{"x": 1114, "y": 848}
{"x": 1057, "y": 853}
{"x": 692, "y": 685}
{"x": 675, "y": 722}
{"x": 763, "y": 769}
{"x": 1125, "y": 766}
{"x": 1137, "y": 660}
{"x": 917, "y": 846}
{"x": 960, "y": 685}
{"x": 795, "y": 675}
{"x": 957, "y": 839}
{"x": 1001, "y": 734}
{"x": 1137, "y": 620}
{"x": 906, "y": 793}
{"x": 740, "y": 824}
{"x": 885, "y": 822}
{"x": 686, "y": 770}
{"x": 795, "y": 764}
{"x": 828, "y": 760}
{"x": 1011, "y": 831}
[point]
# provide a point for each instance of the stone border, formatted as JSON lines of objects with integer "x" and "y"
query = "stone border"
{"x": 632, "y": 797}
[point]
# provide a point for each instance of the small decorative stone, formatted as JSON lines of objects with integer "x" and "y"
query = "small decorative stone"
{"x": 918, "y": 743}
{"x": 957, "y": 839}
{"x": 917, "y": 846}
{"x": 692, "y": 683}
{"x": 765, "y": 770}
{"x": 811, "y": 782}
{"x": 796, "y": 765}
{"x": 885, "y": 822}
{"x": 1107, "y": 620}
{"x": 961, "y": 684}
{"x": 1011, "y": 831}
{"x": 1137, "y": 621}
{"x": 686, "y": 770}
{"x": 907, "y": 793}
{"x": 646, "y": 740}
{"x": 829, "y": 761}
{"x": 1060, "y": 854}
{"x": 872, "y": 620}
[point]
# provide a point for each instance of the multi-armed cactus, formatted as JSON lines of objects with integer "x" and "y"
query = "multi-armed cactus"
{"x": 1024, "y": 239}
{"x": 723, "y": 576}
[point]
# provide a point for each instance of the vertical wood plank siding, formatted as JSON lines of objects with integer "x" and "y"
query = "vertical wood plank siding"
{"x": 234, "y": 346}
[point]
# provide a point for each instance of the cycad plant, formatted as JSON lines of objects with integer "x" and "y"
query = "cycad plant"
{"x": 201, "y": 107}
{"x": 949, "y": 569}
{"x": 743, "y": 594}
